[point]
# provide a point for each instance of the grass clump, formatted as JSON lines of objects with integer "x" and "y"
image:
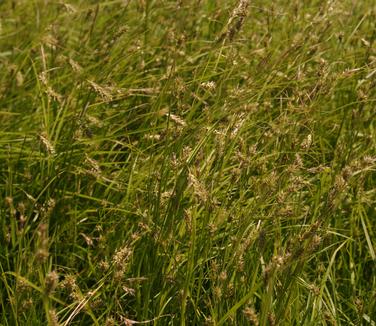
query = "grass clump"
{"x": 187, "y": 162}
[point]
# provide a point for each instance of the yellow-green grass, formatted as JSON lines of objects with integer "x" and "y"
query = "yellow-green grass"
{"x": 187, "y": 162}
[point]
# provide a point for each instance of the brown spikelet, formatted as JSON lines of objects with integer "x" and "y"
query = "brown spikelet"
{"x": 235, "y": 21}
{"x": 104, "y": 92}
{"x": 47, "y": 144}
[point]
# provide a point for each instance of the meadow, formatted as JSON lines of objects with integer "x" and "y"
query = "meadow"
{"x": 188, "y": 162}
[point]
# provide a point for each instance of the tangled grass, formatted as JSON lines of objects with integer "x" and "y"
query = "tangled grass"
{"x": 187, "y": 162}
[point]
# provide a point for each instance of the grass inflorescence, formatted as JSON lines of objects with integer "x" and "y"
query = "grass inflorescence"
{"x": 187, "y": 162}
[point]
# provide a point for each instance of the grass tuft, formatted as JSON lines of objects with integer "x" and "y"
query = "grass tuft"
{"x": 187, "y": 162}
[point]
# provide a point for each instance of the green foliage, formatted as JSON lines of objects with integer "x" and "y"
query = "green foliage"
{"x": 187, "y": 162}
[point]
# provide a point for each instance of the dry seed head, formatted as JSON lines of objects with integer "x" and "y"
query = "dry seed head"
{"x": 278, "y": 261}
{"x": 41, "y": 255}
{"x": 177, "y": 119}
{"x": 281, "y": 197}
{"x": 230, "y": 289}
{"x": 42, "y": 251}
{"x": 54, "y": 320}
{"x": 240, "y": 118}
{"x": 315, "y": 289}
{"x": 222, "y": 276}
{"x": 239, "y": 12}
{"x": 21, "y": 208}
{"x": 110, "y": 321}
{"x": 21, "y": 286}
{"x": 121, "y": 256}
{"x": 129, "y": 291}
{"x": 209, "y": 85}
{"x": 43, "y": 78}
{"x": 19, "y": 79}
{"x": 240, "y": 264}
{"x": 188, "y": 220}
{"x": 51, "y": 203}
{"x": 153, "y": 137}
{"x": 317, "y": 169}
{"x": 135, "y": 236}
{"x": 27, "y": 304}
{"x": 51, "y": 282}
{"x": 186, "y": 153}
{"x": 212, "y": 228}
{"x": 180, "y": 85}
{"x": 88, "y": 240}
{"x": 271, "y": 180}
{"x": 235, "y": 21}
{"x": 309, "y": 233}
{"x": 104, "y": 265}
{"x": 209, "y": 321}
{"x": 339, "y": 183}
{"x": 359, "y": 304}
{"x": 69, "y": 283}
{"x": 198, "y": 188}
{"x": 144, "y": 227}
{"x": 271, "y": 319}
{"x": 9, "y": 201}
{"x": 52, "y": 94}
{"x": 75, "y": 66}
{"x": 369, "y": 161}
{"x": 47, "y": 144}
{"x": 243, "y": 159}
{"x": 296, "y": 183}
{"x": 104, "y": 92}
{"x": 251, "y": 316}
{"x": 316, "y": 240}
{"x": 95, "y": 169}
{"x": 94, "y": 121}
{"x": 96, "y": 303}
{"x": 267, "y": 273}
{"x": 69, "y": 8}
{"x": 214, "y": 267}
{"x": 50, "y": 41}
{"x": 217, "y": 292}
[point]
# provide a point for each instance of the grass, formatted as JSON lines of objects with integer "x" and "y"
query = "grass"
{"x": 187, "y": 162}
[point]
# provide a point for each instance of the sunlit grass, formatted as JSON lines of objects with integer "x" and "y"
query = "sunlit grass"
{"x": 187, "y": 162}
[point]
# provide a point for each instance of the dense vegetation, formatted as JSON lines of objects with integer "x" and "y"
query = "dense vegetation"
{"x": 192, "y": 162}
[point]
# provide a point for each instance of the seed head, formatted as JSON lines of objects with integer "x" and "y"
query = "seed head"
{"x": 54, "y": 320}
{"x": 51, "y": 282}
{"x": 251, "y": 316}
{"x": 209, "y": 85}
{"x": 47, "y": 144}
